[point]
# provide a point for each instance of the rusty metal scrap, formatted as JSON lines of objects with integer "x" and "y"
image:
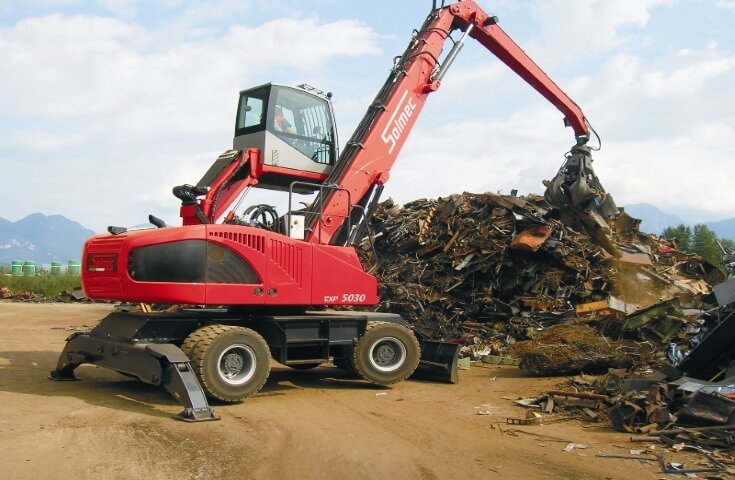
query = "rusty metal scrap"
{"x": 506, "y": 268}
{"x": 481, "y": 258}
{"x": 585, "y": 395}
{"x": 568, "y": 349}
{"x": 531, "y": 239}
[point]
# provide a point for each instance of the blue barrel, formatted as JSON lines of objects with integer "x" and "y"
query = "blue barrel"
{"x": 73, "y": 267}
{"x": 29, "y": 269}
{"x": 16, "y": 268}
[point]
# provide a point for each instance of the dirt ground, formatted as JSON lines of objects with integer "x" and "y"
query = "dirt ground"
{"x": 304, "y": 424}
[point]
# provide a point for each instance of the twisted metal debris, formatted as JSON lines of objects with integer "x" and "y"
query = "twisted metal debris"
{"x": 500, "y": 269}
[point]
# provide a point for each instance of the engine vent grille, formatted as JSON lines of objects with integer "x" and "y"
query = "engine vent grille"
{"x": 107, "y": 243}
{"x": 256, "y": 242}
{"x": 289, "y": 258}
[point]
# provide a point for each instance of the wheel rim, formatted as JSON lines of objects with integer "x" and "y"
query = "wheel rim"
{"x": 387, "y": 354}
{"x": 236, "y": 364}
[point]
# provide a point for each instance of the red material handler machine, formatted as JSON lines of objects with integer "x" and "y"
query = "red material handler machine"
{"x": 261, "y": 281}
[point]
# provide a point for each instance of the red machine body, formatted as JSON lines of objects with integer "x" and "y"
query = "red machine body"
{"x": 205, "y": 263}
{"x": 285, "y": 271}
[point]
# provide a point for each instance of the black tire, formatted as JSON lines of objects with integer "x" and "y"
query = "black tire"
{"x": 230, "y": 362}
{"x": 187, "y": 346}
{"x": 388, "y": 353}
{"x": 345, "y": 362}
{"x": 304, "y": 366}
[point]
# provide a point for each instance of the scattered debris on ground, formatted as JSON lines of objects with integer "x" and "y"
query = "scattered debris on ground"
{"x": 77, "y": 296}
{"x": 661, "y": 411}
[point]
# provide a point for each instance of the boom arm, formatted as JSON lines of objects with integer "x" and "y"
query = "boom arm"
{"x": 369, "y": 155}
{"x": 502, "y": 46}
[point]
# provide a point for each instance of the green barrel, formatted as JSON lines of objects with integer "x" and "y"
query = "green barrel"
{"x": 55, "y": 268}
{"x": 16, "y": 268}
{"x": 29, "y": 269}
{"x": 74, "y": 267}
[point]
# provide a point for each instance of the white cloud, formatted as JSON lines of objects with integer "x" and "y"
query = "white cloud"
{"x": 632, "y": 97}
{"x": 687, "y": 72}
{"x": 685, "y": 173}
{"x": 122, "y": 8}
{"x": 518, "y": 152}
{"x": 729, "y": 4}
{"x": 82, "y": 67}
{"x": 46, "y": 140}
{"x": 588, "y": 26}
{"x": 100, "y": 92}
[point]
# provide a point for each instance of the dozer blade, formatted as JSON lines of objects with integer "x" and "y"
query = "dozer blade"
{"x": 114, "y": 344}
{"x": 438, "y": 361}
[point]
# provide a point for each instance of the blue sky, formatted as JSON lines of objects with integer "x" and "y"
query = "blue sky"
{"x": 105, "y": 105}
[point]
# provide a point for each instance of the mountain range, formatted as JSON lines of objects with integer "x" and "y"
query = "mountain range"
{"x": 46, "y": 238}
{"x": 655, "y": 220}
{"x": 42, "y": 239}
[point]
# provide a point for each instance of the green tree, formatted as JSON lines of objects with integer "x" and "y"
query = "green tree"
{"x": 704, "y": 243}
{"x": 680, "y": 234}
{"x": 728, "y": 244}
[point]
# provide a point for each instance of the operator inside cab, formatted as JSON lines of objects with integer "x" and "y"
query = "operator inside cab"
{"x": 280, "y": 123}
{"x": 292, "y": 127}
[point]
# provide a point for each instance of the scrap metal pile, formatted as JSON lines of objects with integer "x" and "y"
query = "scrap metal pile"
{"x": 686, "y": 405}
{"x": 493, "y": 270}
{"x": 520, "y": 283}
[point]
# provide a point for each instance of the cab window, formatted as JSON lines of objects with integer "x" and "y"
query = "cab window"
{"x": 250, "y": 112}
{"x": 304, "y": 121}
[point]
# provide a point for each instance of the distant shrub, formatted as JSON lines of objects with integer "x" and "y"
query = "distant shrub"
{"x": 47, "y": 285}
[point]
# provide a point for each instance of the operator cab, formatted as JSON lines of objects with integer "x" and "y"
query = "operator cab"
{"x": 294, "y": 130}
